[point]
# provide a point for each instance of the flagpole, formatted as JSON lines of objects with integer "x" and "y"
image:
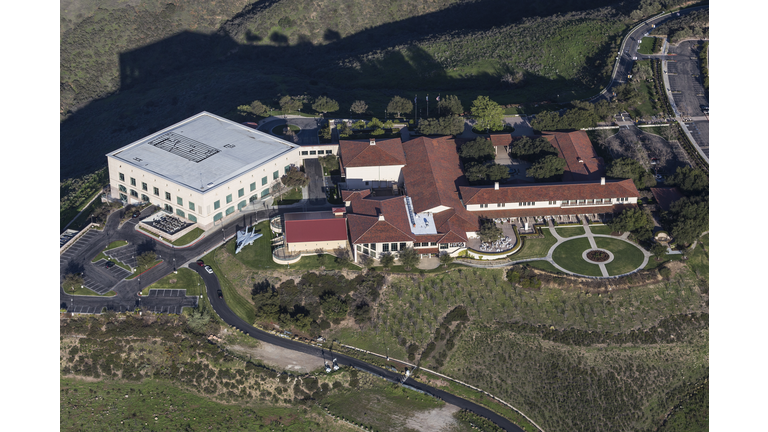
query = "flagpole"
{"x": 427, "y": 105}
{"x": 416, "y": 112}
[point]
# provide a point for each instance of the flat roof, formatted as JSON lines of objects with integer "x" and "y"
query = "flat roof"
{"x": 203, "y": 151}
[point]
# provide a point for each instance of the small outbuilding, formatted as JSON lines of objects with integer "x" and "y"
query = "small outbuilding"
{"x": 310, "y": 231}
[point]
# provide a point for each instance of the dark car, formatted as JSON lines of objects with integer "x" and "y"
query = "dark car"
{"x": 200, "y": 263}
{"x": 136, "y": 214}
{"x": 109, "y": 264}
{"x": 220, "y": 294}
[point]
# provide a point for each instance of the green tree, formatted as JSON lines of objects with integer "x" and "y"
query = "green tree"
{"x": 530, "y": 150}
{"x": 445, "y": 259}
{"x": 290, "y": 103}
{"x": 333, "y": 306}
{"x": 689, "y": 217}
{"x": 387, "y": 260}
{"x": 689, "y": 180}
{"x": 400, "y": 105}
{"x": 294, "y": 178}
{"x": 489, "y": 232}
{"x": 498, "y": 172}
{"x": 72, "y": 281}
{"x": 325, "y": 131}
{"x": 488, "y": 114}
{"x": 359, "y": 107}
{"x": 441, "y": 126}
{"x": 475, "y": 171}
{"x": 259, "y": 108}
{"x": 358, "y": 125}
{"x": 374, "y": 123}
{"x": 450, "y": 105}
{"x": 342, "y": 255}
{"x": 626, "y": 168}
{"x": 546, "y": 167}
{"x": 659, "y": 251}
{"x": 409, "y": 258}
{"x": 325, "y": 104}
{"x": 479, "y": 149}
{"x": 635, "y": 221}
{"x": 146, "y": 259}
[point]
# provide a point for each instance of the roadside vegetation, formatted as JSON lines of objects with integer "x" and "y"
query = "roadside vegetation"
{"x": 694, "y": 25}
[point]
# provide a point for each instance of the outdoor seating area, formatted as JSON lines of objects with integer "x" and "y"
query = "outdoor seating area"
{"x": 503, "y": 244}
{"x": 169, "y": 224}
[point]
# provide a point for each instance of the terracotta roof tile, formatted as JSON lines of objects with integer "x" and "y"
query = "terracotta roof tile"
{"x": 363, "y": 154}
{"x": 666, "y": 196}
{"x": 552, "y": 211}
{"x": 574, "y": 147}
{"x": 315, "y": 230}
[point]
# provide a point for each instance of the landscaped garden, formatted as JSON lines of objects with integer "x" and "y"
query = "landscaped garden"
{"x": 185, "y": 279}
{"x": 535, "y": 247}
{"x": 626, "y": 256}
{"x": 571, "y": 231}
{"x": 568, "y": 256}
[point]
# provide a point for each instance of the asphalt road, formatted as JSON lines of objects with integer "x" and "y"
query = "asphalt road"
{"x": 629, "y": 51}
{"x": 225, "y": 313}
{"x": 306, "y": 136}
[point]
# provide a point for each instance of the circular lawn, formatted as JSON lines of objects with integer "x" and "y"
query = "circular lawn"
{"x": 626, "y": 256}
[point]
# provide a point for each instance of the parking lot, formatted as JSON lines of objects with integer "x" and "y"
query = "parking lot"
{"x": 167, "y": 293}
{"x": 688, "y": 91}
{"x": 81, "y": 243}
{"x": 100, "y": 279}
{"x": 125, "y": 254}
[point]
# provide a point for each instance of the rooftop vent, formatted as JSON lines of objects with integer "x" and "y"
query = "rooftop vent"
{"x": 602, "y": 180}
{"x": 373, "y": 141}
{"x": 496, "y": 185}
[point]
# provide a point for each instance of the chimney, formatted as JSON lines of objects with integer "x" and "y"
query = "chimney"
{"x": 381, "y": 216}
{"x": 581, "y": 161}
{"x": 496, "y": 185}
{"x": 373, "y": 141}
{"x": 602, "y": 180}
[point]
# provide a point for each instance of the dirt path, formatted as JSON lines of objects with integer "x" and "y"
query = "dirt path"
{"x": 438, "y": 419}
{"x": 280, "y": 357}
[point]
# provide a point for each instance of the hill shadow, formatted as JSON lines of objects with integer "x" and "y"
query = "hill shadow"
{"x": 170, "y": 80}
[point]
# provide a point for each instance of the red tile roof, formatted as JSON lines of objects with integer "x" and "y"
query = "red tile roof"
{"x": 346, "y": 195}
{"x": 315, "y": 230}
{"x": 574, "y": 147}
{"x": 666, "y": 196}
{"x": 548, "y": 192}
{"x": 363, "y": 154}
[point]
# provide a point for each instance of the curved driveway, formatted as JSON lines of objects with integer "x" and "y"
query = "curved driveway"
{"x": 229, "y": 317}
{"x": 625, "y": 60}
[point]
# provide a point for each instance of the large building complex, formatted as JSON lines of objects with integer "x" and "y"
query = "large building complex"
{"x": 201, "y": 169}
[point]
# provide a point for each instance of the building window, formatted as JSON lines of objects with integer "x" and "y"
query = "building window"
{"x": 192, "y": 218}
{"x": 156, "y": 191}
{"x": 242, "y": 204}
{"x": 217, "y": 217}
{"x": 483, "y": 205}
{"x": 216, "y": 205}
{"x": 167, "y": 208}
{"x": 599, "y": 201}
{"x": 180, "y": 212}
{"x": 263, "y": 181}
{"x": 393, "y": 246}
{"x": 607, "y": 201}
{"x": 191, "y": 206}
{"x": 443, "y": 245}
{"x": 144, "y": 186}
{"x": 373, "y": 246}
{"x": 312, "y": 152}
{"x": 385, "y": 247}
{"x": 240, "y": 193}
{"x": 329, "y": 152}
{"x": 133, "y": 181}
{"x": 179, "y": 201}
{"x": 287, "y": 168}
{"x": 121, "y": 176}
{"x": 552, "y": 202}
{"x": 500, "y": 204}
{"x": 359, "y": 248}
{"x": 229, "y": 198}
{"x": 275, "y": 175}
{"x": 433, "y": 244}
{"x": 264, "y": 193}
{"x": 168, "y": 196}
{"x": 122, "y": 188}
{"x": 144, "y": 197}
{"x": 124, "y": 197}
{"x": 523, "y": 204}
{"x": 304, "y": 153}
{"x": 230, "y": 210}
{"x": 253, "y": 186}
{"x": 402, "y": 246}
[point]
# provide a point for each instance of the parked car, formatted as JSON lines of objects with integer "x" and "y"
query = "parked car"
{"x": 220, "y": 294}
{"x": 136, "y": 214}
{"x": 208, "y": 269}
{"x": 109, "y": 264}
{"x": 200, "y": 263}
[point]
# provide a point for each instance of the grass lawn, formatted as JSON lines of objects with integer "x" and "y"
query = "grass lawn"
{"x": 571, "y": 231}
{"x": 544, "y": 265}
{"x": 646, "y": 106}
{"x": 188, "y": 237}
{"x": 626, "y": 257}
{"x": 535, "y": 248}
{"x": 698, "y": 260}
{"x": 384, "y": 343}
{"x": 278, "y": 130}
{"x": 185, "y": 279}
{"x": 648, "y": 45}
{"x": 568, "y": 256}
{"x": 241, "y": 306}
{"x": 601, "y": 229}
{"x": 87, "y": 292}
{"x": 113, "y": 245}
{"x": 291, "y": 197}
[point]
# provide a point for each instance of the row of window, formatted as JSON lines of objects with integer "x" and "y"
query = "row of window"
{"x": 313, "y": 152}
{"x": 564, "y": 202}
{"x": 425, "y": 244}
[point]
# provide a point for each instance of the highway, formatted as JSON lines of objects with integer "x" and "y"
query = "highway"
{"x": 225, "y": 313}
